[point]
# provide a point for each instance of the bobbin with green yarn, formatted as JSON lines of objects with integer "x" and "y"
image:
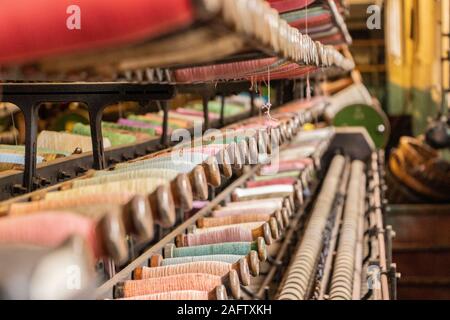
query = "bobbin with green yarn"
{"x": 116, "y": 139}
{"x": 157, "y": 260}
{"x": 236, "y": 248}
{"x": 113, "y": 125}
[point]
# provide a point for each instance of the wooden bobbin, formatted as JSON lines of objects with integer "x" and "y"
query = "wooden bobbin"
{"x": 263, "y": 141}
{"x": 199, "y": 184}
{"x": 288, "y": 206}
{"x": 253, "y": 263}
{"x": 298, "y": 194}
{"x": 280, "y": 220}
{"x": 212, "y": 172}
{"x": 274, "y": 228}
{"x": 220, "y": 293}
{"x": 182, "y": 192}
{"x": 244, "y": 151}
{"x": 111, "y": 231}
{"x": 265, "y": 232}
{"x": 276, "y": 138}
{"x": 138, "y": 218}
{"x": 234, "y": 284}
{"x": 223, "y": 159}
{"x": 235, "y": 158}
{"x": 163, "y": 206}
{"x": 241, "y": 267}
{"x": 261, "y": 249}
{"x": 285, "y": 217}
{"x": 253, "y": 150}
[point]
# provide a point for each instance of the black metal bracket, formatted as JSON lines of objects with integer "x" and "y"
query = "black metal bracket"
{"x": 95, "y": 95}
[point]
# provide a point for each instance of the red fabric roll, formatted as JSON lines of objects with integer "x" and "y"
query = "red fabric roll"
{"x": 48, "y": 229}
{"x": 33, "y": 29}
{"x": 254, "y": 184}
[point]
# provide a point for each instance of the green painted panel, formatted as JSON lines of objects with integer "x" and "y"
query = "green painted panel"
{"x": 361, "y": 115}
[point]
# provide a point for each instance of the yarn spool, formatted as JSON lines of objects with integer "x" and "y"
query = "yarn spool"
{"x": 235, "y": 248}
{"x": 250, "y": 222}
{"x": 190, "y": 281}
{"x": 117, "y": 139}
{"x": 160, "y": 196}
{"x": 67, "y": 142}
{"x": 283, "y": 166}
{"x": 196, "y": 174}
{"x": 263, "y": 206}
{"x": 20, "y": 208}
{"x": 136, "y": 215}
{"x": 106, "y": 237}
{"x": 252, "y": 259}
{"x": 229, "y": 234}
{"x": 233, "y": 219}
{"x": 209, "y": 164}
{"x": 273, "y": 191}
{"x": 221, "y": 269}
{"x": 219, "y": 293}
{"x": 236, "y": 158}
{"x": 297, "y": 187}
{"x": 280, "y": 175}
{"x": 179, "y": 182}
{"x": 185, "y": 295}
{"x": 221, "y": 155}
{"x": 264, "y": 183}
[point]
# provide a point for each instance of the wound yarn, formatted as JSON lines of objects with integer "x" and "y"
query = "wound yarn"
{"x": 234, "y": 219}
{"x": 228, "y": 258}
{"x": 209, "y": 267}
{"x": 66, "y": 142}
{"x": 48, "y": 229}
{"x": 113, "y": 176}
{"x": 234, "y": 248}
{"x": 20, "y": 208}
{"x": 172, "y": 295}
{"x": 233, "y": 234}
{"x": 256, "y": 184}
{"x": 180, "y": 282}
{"x": 245, "y": 225}
{"x": 134, "y": 186}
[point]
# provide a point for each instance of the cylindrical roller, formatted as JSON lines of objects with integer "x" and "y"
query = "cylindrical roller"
{"x": 343, "y": 271}
{"x": 303, "y": 264}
